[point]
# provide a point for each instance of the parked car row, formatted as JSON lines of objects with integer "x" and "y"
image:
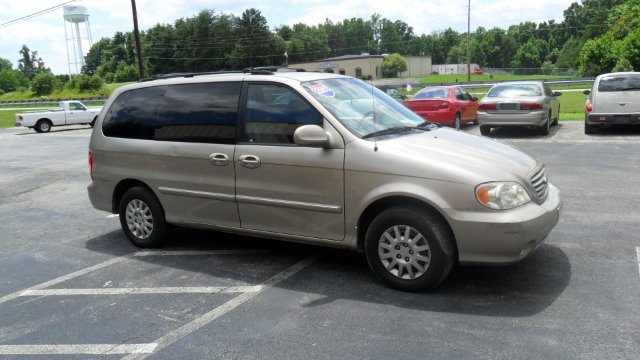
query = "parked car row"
{"x": 530, "y": 104}
{"x": 613, "y": 100}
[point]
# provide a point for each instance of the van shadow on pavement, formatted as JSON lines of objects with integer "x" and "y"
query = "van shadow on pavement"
{"x": 519, "y": 290}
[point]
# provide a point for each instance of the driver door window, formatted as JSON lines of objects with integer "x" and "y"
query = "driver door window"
{"x": 274, "y": 112}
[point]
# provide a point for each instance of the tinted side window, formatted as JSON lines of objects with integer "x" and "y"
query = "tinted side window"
{"x": 132, "y": 114}
{"x": 205, "y": 112}
{"x": 274, "y": 113}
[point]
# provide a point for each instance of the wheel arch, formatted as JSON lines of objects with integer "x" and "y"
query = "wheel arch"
{"x": 378, "y": 206}
{"x": 122, "y": 188}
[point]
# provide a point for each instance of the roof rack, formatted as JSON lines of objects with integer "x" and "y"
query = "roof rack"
{"x": 266, "y": 70}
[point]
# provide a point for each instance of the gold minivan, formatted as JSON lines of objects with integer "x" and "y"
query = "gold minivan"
{"x": 315, "y": 158}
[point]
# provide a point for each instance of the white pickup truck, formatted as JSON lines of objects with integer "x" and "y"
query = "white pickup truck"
{"x": 69, "y": 113}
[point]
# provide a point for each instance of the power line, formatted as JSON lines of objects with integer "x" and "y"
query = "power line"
{"x": 41, "y": 12}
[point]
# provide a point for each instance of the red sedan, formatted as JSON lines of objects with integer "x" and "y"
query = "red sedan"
{"x": 446, "y": 105}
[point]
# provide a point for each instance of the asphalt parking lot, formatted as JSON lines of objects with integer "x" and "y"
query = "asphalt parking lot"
{"x": 72, "y": 286}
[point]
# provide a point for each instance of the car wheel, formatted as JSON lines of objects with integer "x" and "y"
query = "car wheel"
{"x": 485, "y": 130}
{"x": 142, "y": 218}
{"x": 555, "y": 121}
{"x": 456, "y": 122}
{"x": 43, "y": 126}
{"x": 410, "y": 249}
{"x": 589, "y": 129}
{"x": 544, "y": 130}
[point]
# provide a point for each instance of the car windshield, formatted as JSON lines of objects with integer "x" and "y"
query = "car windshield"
{"x": 437, "y": 93}
{"x": 514, "y": 91}
{"x": 361, "y": 108}
{"x": 619, "y": 83}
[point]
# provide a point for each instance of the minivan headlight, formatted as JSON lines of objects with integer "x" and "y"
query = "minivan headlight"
{"x": 502, "y": 195}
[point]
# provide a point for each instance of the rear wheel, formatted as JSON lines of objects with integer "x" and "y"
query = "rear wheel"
{"x": 43, "y": 126}
{"x": 142, "y": 218}
{"x": 544, "y": 130}
{"x": 589, "y": 129}
{"x": 456, "y": 122}
{"x": 555, "y": 121}
{"x": 409, "y": 248}
{"x": 485, "y": 130}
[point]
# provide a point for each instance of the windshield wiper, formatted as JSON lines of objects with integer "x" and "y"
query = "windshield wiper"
{"x": 388, "y": 131}
{"x": 631, "y": 88}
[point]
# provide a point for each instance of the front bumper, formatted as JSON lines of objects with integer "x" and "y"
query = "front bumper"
{"x": 537, "y": 118}
{"x": 613, "y": 119}
{"x": 504, "y": 237}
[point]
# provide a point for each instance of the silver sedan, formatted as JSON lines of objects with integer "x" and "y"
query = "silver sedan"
{"x": 530, "y": 103}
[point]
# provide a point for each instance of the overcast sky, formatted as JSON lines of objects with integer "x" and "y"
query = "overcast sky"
{"x": 46, "y": 33}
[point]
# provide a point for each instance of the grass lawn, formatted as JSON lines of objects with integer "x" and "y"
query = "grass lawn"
{"x": 61, "y": 94}
{"x": 7, "y": 118}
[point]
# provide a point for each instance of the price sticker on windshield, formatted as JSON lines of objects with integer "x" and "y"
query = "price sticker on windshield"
{"x": 322, "y": 90}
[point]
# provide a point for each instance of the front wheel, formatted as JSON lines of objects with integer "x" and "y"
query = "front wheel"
{"x": 142, "y": 218}
{"x": 409, "y": 248}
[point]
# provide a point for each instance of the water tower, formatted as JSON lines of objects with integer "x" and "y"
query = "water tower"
{"x": 74, "y": 16}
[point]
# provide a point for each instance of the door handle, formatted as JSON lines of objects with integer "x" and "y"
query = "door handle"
{"x": 249, "y": 161}
{"x": 219, "y": 159}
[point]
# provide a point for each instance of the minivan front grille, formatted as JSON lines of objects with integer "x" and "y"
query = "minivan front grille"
{"x": 540, "y": 183}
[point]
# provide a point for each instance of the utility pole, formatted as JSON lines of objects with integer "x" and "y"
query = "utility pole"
{"x": 136, "y": 34}
{"x": 469, "y": 42}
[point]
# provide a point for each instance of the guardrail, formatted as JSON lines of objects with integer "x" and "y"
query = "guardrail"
{"x": 7, "y": 103}
{"x": 485, "y": 84}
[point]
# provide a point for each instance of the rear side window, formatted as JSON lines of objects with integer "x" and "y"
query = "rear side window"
{"x": 205, "y": 112}
{"x": 619, "y": 83}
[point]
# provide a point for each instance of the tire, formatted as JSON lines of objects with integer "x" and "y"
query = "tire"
{"x": 589, "y": 129}
{"x": 43, "y": 126}
{"x": 456, "y": 122}
{"x": 544, "y": 129}
{"x": 142, "y": 218}
{"x": 555, "y": 121}
{"x": 423, "y": 265}
{"x": 485, "y": 130}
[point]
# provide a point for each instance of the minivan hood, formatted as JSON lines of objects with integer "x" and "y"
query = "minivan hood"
{"x": 456, "y": 156}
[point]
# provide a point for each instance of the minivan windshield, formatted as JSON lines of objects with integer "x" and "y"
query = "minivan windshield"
{"x": 363, "y": 109}
{"x": 621, "y": 82}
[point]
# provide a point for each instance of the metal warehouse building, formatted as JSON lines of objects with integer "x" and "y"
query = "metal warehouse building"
{"x": 365, "y": 65}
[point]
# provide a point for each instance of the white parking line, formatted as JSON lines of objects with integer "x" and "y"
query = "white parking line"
{"x": 638, "y": 256}
{"x": 84, "y": 349}
{"x": 153, "y": 290}
{"x": 66, "y": 277}
{"x": 195, "y": 253}
{"x": 225, "y": 308}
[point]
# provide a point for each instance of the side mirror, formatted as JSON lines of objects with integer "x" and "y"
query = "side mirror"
{"x": 557, "y": 93}
{"x": 587, "y": 92}
{"x": 311, "y": 135}
{"x": 473, "y": 98}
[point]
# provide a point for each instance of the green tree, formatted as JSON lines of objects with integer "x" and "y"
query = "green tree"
{"x": 9, "y": 80}
{"x": 394, "y": 64}
{"x": 43, "y": 83}
{"x": 30, "y": 64}
{"x": 5, "y": 64}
